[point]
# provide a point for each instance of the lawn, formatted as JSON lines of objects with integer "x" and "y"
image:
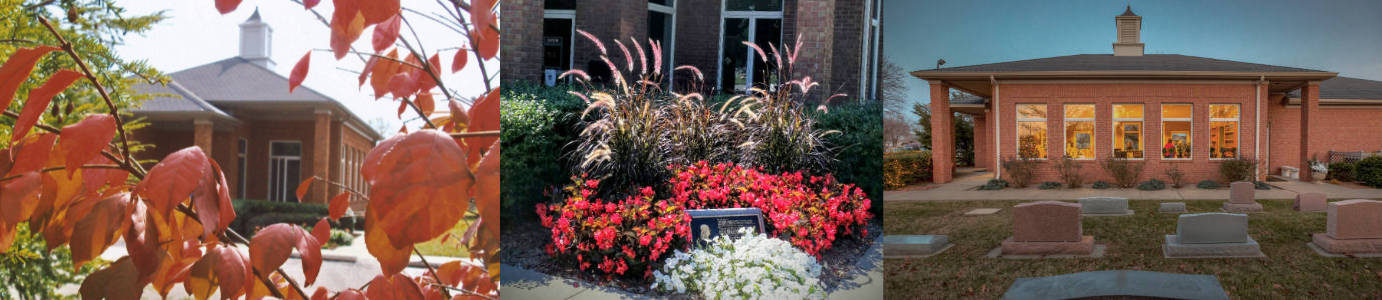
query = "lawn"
{"x": 1290, "y": 271}
{"x": 448, "y": 246}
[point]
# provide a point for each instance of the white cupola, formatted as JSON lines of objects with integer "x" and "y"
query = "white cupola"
{"x": 1129, "y": 34}
{"x": 256, "y": 41}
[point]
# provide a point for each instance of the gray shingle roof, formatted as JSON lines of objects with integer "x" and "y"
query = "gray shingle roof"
{"x": 1348, "y": 88}
{"x": 1108, "y": 62}
{"x": 174, "y": 98}
{"x": 968, "y": 99}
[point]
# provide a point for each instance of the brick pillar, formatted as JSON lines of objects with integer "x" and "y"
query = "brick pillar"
{"x": 321, "y": 156}
{"x": 1309, "y": 107}
{"x": 202, "y": 135}
{"x": 815, "y": 26}
{"x": 942, "y": 134}
{"x": 520, "y": 49}
{"x": 981, "y": 145}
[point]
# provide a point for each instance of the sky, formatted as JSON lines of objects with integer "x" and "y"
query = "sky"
{"x": 1343, "y": 36}
{"x": 195, "y": 34}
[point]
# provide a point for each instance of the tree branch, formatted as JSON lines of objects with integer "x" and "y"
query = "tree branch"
{"x": 114, "y": 111}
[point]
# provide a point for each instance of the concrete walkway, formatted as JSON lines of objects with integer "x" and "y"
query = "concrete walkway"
{"x": 966, "y": 183}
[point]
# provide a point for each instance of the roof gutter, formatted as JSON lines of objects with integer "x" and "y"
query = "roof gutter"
{"x": 963, "y": 75}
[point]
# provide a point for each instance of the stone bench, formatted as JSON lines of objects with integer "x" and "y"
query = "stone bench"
{"x": 1211, "y": 235}
{"x": 900, "y": 246}
{"x": 1104, "y": 206}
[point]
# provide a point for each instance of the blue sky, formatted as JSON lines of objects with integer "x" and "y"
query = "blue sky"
{"x": 1343, "y": 36}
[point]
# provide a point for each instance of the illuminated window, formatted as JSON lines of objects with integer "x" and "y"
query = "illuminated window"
{"x": 1079, "y": 131}
{"x": 1127, "y": 130}
{"x": 1031, "y": 131}
{"x": 1223, "y": 131}
{"x": 1175, "y": 131}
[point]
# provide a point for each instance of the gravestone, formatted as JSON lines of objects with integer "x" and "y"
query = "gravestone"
{"x": 1310, "y": 202}
{"x": 982, "y": 211}
{"x": 706, "y": 224}
{"x": 1172, "y": 208}
{"x": 1241, "y": 198}
{"x": 1104, "y": 206}
{"x": 1352, "y": 227}
{"x": 1047, "y": 228}
{"x": 1117, "y": 284}
{"x": 914, "y": 245}
{"x": 1206, "y": 235}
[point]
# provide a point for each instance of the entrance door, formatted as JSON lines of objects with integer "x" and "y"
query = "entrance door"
{"x": 285, "y": 170}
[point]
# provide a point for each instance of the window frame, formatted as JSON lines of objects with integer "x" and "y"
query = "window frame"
{"x": 1237, "y": 129}
{"x": 1191, "y": 137}
{"x": 1065, "y": 129}
{"x": 671, "y": 42}
{"x": 1142, "y": 129}
{"x": 242, "y": 153}
{"x": 269, "y": 191}
{"x": 872, "y": 28}
{"x": 752, "y": 17}
{"x": 568, "y": 14}
{"x": 1017, "y": 130}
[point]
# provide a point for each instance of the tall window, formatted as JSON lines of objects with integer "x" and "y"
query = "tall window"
{"x": 241, "y": 154}
{"x": 1031, "y": 130}
{"x": 1127, "y": 130}
{"x": 662, "y": 27}
{"x": 285, "y": 170}
{"x": 1079, "y": 131}
{"x": 869, "y": 87}
{"x": 756, "y": 21}
{"x": 1176, "y": 131}
{"x": 558, "y": 30}
{"x": 1223, "y": 131}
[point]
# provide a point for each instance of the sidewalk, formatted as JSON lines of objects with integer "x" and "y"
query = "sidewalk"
{"x": 963, "y": 188}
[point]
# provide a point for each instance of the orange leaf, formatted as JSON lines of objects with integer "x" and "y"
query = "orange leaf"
{"x": 18, "y": 197}
{"x": 299, "y": 71}
{"x": 486, "y": 41}
{"x": 386, "y": 33}
{"x": 95, "y": 178}
{"x": 414, "y": 181}
{"x": 16, "y": 69}
{"x": 459, "y": 119}
{"x": 39, "y": 99}
{"x": 484, "y": 116}
{"x": 338, "y": 205}
{"x": 422, "y": 81}
{"x": 321, "y": 231}
{"x": 99, "y": 228}
{"x": 223, "y": 266}
{"x": 214, "y": 211}
{"x": 302, "y": 187}
{"x": 450, "y": 273}
{"x": 487, "y": 190}
{"x": 227, "y": 6}
{"x": 383, "y": 71}
{"x": 425, "y": 103}
{"x": 33, "y": 153}
{"x": 391, "y": 259}
{"x": 401, "y": 85}
{"x": 458, "y": 61}
{"x": 120, "y": 280}
{"x": 369, "y": 67}
{"x": 376, "y": 11}
{"x": 320, "y": 294}
{"x": 346, "y": 25}
{"x": 350, "y": 294}
{"x": 84, "y": 140}
{"x": 396, "y": 286}
{"x": 402, "y": 106}
{"x": 270, "y": 247}
{"x": 172, "y": 180}
{"x": 482, "y": 13}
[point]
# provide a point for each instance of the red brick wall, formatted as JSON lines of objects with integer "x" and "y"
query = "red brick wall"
{"x": 849, "y": 36}
{"x": 261, "y": 133}
{"x": 1151, "y": 95}
{"x": 520, "y": 50}
{"x": 1338, "y": 129}
{"x": 815, "y": 23}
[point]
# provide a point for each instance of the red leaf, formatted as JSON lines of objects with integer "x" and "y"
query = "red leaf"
{"x": 39, "y": 99}
{"x": 99, "y": 228}
{"x": 299, "y": 71}
{"x": 376, "y": 11}
{"x": 309, "y": 4}
{"x": 396, "y": 286}
{"x": 322, "y": 230}
{"x": 222, "y": 266}
{"x": 320, "y": 294}
{"x": 459, "y": 119}
{"x": 486, "y": 41}
{"x": 227, "y": 6}
{"x": 402, "y": 106}
{"x": 425, "y": 103}
{"x": 120, "y": 280}
{"x": 350, "y": 294}
{"x": 369, "y": 67}
{"x": 214, "y": 211}
{"x": 391, "y": 259}
{"x": 401, "y": 85}
{"x": 18, "y": 197}
{"x": 386, "y": 33}
{"x": 484, "y": 116}
{"x": 16, "y": 69}
{"x": 95, "y": 178}
{"x": 458, "y": 62}
{"x": 302, "y": 187}
{"x": 84, "y": 140}
{"x": 346, "y": 25}
{"x": 416, "y": 199}
{"x": 482, "y": 14}
{"x": 270, "y": 247}
{"x": 172, "y": 180}
{"x": 338, "y": 205}
{"x": 383, "y": 71}
{"x": 33, "y": 154}
{"x": 487, "y": 190}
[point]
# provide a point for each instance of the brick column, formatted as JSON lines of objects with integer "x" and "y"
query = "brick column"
{"x": 1309, "y": 107}
{"x": 942, "y": 134}
{"x": 202, "y": 135}
{"x": 981, "y": 143}
{"x": 815, "y": 26}
{"x": 321, "y": 155}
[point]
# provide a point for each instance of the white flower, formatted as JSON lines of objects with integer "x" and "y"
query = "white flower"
{"x": 752, "y": 267}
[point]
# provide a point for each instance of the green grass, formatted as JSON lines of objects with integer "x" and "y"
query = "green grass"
{"x": 452, "y": 246}
{"x": 1290, "y": 271}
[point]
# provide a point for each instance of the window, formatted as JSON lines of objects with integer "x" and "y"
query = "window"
{"x": 662, "y": 27}
{"x": 1079, "y": 131}
{"x": 869, "y": 76}
{"x": 242, "y": 151}
{"x": 755, "y": 21}
{"x": 285, "y": 170}
{"x": 1031, "y": 131}
{"x": 1223, "y": 131}
{"x": 1127, "y": 131}
{"x": 1175, "y": 131}
{"x": 558, "y": 31}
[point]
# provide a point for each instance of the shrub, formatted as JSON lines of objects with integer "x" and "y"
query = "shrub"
{"x": 1208, "y": 185}
{"x": 1237, "y": 169}
{"x": 1019, "y": 170}
{"x": 623, "y": 143}
{"x": 994, "y": 185}
{"x": 1343, "y": 171}
{"x": 1261, "y": 185}
{"x": 907, "y": 167}
{"x": 624, "y": 238}
{"x": 1124, "y": 172}
{"x": 1049, "y": 185}
{"x": 753, "y": 266}
{"x": 811, "y": 212}
{"x": 860, "y": 144}
{"x": 1152, "y": 185}
{"x": 535, "y": 122}
{"x": 1175, "y": 175}
{"x": 255, "y": 222}
{"x": 1069, "y": 171}
{"x": 1369, "y": 171}
{"x": 253, "y": 214}
{"x": 1101, "y": 185}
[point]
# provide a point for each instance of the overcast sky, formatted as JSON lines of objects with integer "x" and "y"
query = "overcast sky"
{"x": 196, "y": 34}
{"x": 1343, "y": 36}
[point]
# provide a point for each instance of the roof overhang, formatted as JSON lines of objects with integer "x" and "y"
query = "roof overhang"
{"x": 981, "y": 83}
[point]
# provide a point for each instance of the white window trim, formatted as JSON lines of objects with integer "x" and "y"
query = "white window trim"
{"x": 243, "y": 155}
{"x": 1094, "y": 140}
{"x": 270, "y": 178}
{"x": 671, "y": 41}
{"x": 1142, "y": 132}
{"x": 871, "y": 25}
{"x": 753, "y": 17}
{"x": 569, "y": 14}
{"x": 1237, "y": 128}
{"x": 1017, "y": 132}
{"x": 1164, "y": 119}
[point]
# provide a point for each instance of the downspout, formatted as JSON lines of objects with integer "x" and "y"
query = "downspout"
{"x": 997, "y": 132}
{"x": 1257, "y": 141}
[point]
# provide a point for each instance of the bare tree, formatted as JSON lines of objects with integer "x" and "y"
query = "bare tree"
{"x": 891, "y": 90}
{"x": 896, "y": 129}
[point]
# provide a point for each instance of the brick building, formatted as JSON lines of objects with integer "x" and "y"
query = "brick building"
{"x": 1167, "y": 110}
{"x": 265, "y": 139}
{"x": 841, "y": 39}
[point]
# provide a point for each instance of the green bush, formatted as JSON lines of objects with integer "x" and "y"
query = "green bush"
{"x": 246, "y": 211}
{"x": 537, "y": 124}
{"x": 32, "y": 271}
{"x": 906, "y": 167}
{"x": 860, "y": 143}
{"x": 1261, "y": 185}
{"x": 1049, "y": 185}
{"x": 1100, "y": 185}
{"x": 994, "y": 185}
{"x": 1237, "y": 169}
{"x": 1343, "y": 171}
{"x": 1152, "y": 185}
{"x": 1208, "y": 185}
{"x": 1370, "y": 171}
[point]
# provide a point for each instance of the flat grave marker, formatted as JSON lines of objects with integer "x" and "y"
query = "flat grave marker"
{"x": 1104, "y": 206}
{"x": 706, "y": 224}
{"x": 1117, "y": 284}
